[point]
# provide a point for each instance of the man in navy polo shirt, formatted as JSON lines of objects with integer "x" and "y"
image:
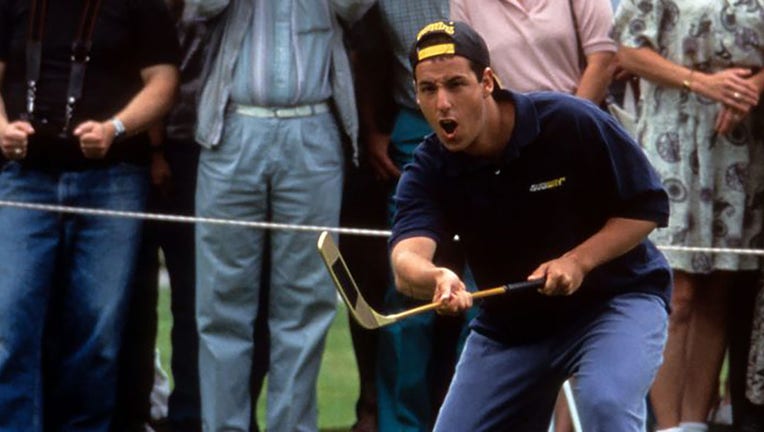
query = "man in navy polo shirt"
{"x": 540, "y": 185}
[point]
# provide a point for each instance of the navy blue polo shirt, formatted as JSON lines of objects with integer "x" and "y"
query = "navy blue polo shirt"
{"x": 567, "y": 168}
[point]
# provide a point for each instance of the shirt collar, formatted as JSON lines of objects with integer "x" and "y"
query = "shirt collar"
{"x": 525, "y": 131}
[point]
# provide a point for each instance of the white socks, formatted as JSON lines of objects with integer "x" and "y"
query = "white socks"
{"x": 687, "y": 427}
{"x": 693, "y": 427}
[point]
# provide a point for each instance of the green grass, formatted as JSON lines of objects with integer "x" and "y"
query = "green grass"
{"x": 337, "y": 381}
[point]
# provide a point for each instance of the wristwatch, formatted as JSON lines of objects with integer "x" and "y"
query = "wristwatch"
{"x": 119, "y": 128}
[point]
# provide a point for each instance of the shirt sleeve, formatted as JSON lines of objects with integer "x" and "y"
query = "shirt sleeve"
{"x": 595, "y": 25}
{"x": 417, "y": 213}
{"x": 625, "y": 176}
{"x": 154, "y": 32}
{"x": 5, "y": 30}
{"x": 637, "y": 24}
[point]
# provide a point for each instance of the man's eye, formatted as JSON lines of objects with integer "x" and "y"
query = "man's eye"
{"x": 427, "y": 89}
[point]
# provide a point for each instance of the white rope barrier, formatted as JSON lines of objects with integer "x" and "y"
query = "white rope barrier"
{"x": 294, "y": 227}
{"x": 191, "y": 219}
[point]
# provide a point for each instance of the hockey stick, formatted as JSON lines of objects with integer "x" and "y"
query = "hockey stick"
{"x": 363, "y": 313}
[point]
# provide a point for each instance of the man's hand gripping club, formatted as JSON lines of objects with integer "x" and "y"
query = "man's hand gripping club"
{"x": 416, "y": 275}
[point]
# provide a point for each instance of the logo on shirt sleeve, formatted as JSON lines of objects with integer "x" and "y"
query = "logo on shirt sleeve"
{"x": 550, "y": 184}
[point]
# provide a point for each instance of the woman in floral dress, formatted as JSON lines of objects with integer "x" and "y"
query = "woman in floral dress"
{"x": 700, "y": 63}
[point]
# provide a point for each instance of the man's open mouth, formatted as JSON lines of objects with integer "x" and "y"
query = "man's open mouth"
{"x": 448, "y": 125}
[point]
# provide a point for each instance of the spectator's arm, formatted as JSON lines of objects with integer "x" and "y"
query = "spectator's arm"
{"x": 154, "y": 100}
{"x": 377, "y": 142}
{"x": 13, "y": 134}
{"x": 730, "y": 87}
{"x": 161, "y": 174}
{"x": 595, "y": 79}
{"x": 3, "y": 113}
{"x": 593, "y": 23}
{"x": 160, "y": 83}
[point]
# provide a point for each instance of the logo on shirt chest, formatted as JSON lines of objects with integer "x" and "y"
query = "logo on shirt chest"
{"x": 550, "y": 184}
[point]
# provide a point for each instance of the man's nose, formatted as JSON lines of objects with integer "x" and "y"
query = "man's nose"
{"x": 443, "y": 100}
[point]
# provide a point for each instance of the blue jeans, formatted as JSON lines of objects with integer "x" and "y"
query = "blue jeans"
{"x": 63, "y": 293}
{"x": 613, "y": 353}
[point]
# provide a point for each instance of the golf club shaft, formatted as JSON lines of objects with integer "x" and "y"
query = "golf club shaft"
{"x": 534, "y": 283}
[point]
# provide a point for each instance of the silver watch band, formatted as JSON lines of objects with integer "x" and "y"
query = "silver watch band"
{"x": 119, "y": 127}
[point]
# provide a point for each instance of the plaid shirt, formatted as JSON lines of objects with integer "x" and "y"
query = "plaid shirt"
{"x": 403, "y": 19}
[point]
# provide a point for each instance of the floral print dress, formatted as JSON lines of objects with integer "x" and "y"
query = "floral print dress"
{"x": 715, "y": 182}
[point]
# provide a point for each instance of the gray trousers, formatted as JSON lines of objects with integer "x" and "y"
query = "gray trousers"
{"x": 290, "y": 171}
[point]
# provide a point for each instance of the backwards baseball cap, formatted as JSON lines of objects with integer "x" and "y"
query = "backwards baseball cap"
{"x": 449, "y": 38}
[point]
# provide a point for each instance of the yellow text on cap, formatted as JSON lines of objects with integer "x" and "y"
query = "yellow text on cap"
{"x": 448, "y": 28}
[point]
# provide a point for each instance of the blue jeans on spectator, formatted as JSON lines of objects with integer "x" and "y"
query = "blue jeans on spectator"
{"x": 63, "y": 293}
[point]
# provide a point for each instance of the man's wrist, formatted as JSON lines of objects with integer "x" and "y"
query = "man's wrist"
{"x": 583, "y": 264}
{"x": 118, "y": 127}
{"x": 688, "y": 82}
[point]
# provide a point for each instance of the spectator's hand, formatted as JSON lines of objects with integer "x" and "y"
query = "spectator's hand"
{"x": 95, "y": 138}
{"x": 729, "y": 87}
{"x": 563, "y": 276}
{"x": 451, "y": 293}
{"x": 619, "y": 73}
{"x": 161, "y": 175}
{"x": 14, "y": 139}
{"x": 622, "y": 74}
{"x": 727, "y": 120}
{"x": 383, "y": 167}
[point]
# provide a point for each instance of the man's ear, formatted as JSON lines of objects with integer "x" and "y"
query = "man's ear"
{"x": 487, "y": 82}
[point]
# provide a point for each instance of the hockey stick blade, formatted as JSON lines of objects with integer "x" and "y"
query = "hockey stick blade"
{"x": 346, "y": 286}
{"x": 362, "y": 312}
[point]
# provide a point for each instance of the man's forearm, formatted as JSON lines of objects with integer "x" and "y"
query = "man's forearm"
{"x": 153, "y": 101}
{"x": 3, "y": 113}
{"x": 415, "y": 274}
{"x": 618, "y": 236}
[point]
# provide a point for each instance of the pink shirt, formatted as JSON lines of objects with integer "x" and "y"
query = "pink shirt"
{"x": 532, "y": 42}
